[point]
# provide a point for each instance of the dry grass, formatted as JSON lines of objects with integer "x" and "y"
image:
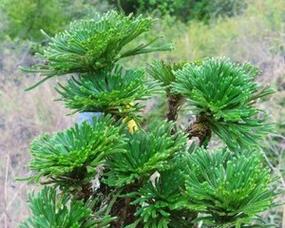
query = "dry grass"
{"x": 23, "y": 115}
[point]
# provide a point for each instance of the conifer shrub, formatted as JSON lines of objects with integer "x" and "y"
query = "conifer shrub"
{"x": 115, "y": 172}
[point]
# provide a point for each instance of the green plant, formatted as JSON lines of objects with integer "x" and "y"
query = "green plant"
{"x": 26, "y": 18}
{"x": 89, "y": 46}
{"x": 70, "y": 158}
{"x": 53, "y": 210}
{"x": 229, "y": 188}
{"x": 155, "y": 148}
{"x": 164, "y": 73}
{"x": 222, "y": 94}
{"x": 183, "y": 9}
{"x": 79, "y": 93}
{"x": 119, "y": 174}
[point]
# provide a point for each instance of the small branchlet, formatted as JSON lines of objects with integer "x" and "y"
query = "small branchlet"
{"x": 201, "y": 130}
{"x": 224, "y": 92}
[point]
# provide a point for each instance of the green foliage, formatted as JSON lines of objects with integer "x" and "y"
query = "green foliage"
{"x": 145, "y": 153}
{"x": 164, "y": 72}
{"x": 89, "y": 46}
{"x": 224, "y": 94}
{"x": 205, "y": 10}
{"x": 52, "y": 210}
{"x": 71, "y": 157}
{"x": 184, "y": 9}
{"x": 26, "y": 18}
{"x": 230, "y": 188}
{"x": 150, "y": 177}
{"x": 161, "y": 203}
{"x": 116, "y": 92}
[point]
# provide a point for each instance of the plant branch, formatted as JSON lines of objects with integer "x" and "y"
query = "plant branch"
{"x": 201, "y": 130}
{"x": 174, "y": 102}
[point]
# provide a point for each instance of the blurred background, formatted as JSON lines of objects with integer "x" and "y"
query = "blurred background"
{"x": 244, "y": 30}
